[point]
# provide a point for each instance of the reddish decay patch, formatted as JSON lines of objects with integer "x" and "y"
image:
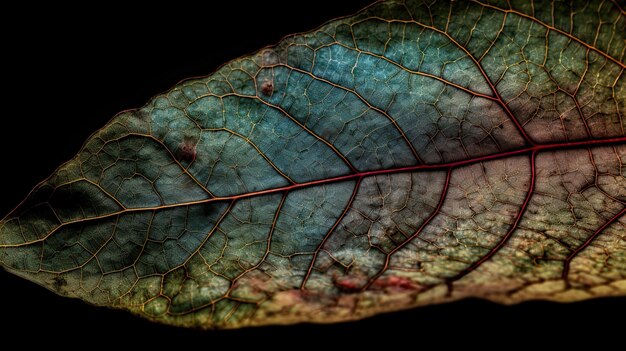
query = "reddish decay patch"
{"x": 187, "y": 150}
{"x": 297, "y": 296}
{"x": 348, "y": 283}
{"x": 267, "y": 87}
{"x": 254, "y": 282}
{"x": 394, "y": 282}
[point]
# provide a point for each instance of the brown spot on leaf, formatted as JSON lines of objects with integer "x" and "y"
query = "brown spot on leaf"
{"x": 187, "y": 150}
{"x": 59, "y": 283}
{"x": 267, "y": 87}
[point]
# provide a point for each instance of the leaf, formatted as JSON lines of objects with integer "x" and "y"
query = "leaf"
{"x": 411, "y": 154}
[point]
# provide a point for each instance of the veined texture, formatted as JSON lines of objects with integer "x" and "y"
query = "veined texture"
{"x": 412, "y": 154}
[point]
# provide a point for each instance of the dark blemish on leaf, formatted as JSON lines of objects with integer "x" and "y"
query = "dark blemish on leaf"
{"x": 327, "y": 135}
{"x": 187, "y": 150}
{"x": 142, "y": 114}
{"x": 59, "y": 283}
{"x": 267, "y": 87}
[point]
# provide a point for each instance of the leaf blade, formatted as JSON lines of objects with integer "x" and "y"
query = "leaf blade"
{"x": 299, "y": 207}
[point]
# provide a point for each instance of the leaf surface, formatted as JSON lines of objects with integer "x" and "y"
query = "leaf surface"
{"x": 411, "y": 154}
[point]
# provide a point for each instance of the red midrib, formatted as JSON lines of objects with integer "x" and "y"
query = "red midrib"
{"x": 536, "y": 149}
{"x": 354, "y": 176}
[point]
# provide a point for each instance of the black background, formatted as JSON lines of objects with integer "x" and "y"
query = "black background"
{"x": 75, "y": 72}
